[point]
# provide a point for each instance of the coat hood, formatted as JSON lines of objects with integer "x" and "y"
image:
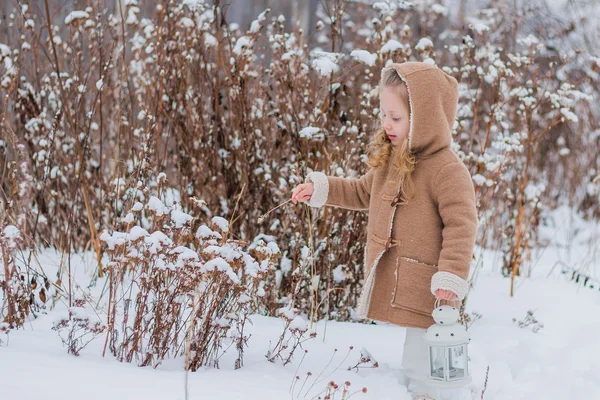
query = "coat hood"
{"x": 433, "y": 98}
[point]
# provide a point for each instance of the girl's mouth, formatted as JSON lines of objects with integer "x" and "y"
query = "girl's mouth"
{"x": 391, "y": 136}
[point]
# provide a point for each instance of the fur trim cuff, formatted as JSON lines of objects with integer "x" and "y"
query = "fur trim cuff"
{"x": 321, "y": 192}
{"x": 448, "y": 281}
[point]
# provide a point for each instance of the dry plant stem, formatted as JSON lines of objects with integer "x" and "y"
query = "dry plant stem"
{"x": 340, "y": 364}
{"x": 111, "y": 307}
{"x": 7, "y": 289}
{"x": 327, "y": 294}
{"x": 321, "y": 373}
{"x": 486, "y": 381}
{"x": 314, "y": 290}
{"x": 516, "y": 257}
{"x": 355, "y": 392}
{"x": 188, "y": 341}
{"x": 297, "y": 369}
{"x": 231, "y": 220}
{"x": 262, "y": 217}
{"x": 57, "y": 66}
{"x": 326, "y": 297}
{"x": 303, "y": 383}
{"x": 93, "y": 231}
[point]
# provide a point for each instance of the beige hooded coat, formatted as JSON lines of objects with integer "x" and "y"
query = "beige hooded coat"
{"x": 427, "y": 244}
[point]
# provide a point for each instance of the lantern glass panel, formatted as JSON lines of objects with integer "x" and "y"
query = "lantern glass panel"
{"x": 457, "y": 361}
{"x": 437, "y": 363}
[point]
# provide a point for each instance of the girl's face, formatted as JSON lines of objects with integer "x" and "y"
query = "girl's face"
{"x": 394, "y": 113}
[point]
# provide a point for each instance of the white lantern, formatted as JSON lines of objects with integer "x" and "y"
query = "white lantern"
{"x": 447, "y": 342}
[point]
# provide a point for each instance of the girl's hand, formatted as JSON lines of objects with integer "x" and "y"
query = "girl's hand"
{"x": 303, "y": 192}
{"x": 445, "y": 294}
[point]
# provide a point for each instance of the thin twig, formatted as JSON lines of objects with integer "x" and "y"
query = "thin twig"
{"x": 262, "y": 217}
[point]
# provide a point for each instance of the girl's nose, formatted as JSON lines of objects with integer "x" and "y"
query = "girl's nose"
{"x": 386, "y": 123}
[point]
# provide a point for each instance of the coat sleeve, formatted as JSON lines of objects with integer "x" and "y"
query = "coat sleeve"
{"x": 347, "y": 193}
{"x": 455, "y": 197}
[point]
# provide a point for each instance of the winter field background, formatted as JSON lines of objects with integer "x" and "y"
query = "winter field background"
{"x": 147, "y": 151}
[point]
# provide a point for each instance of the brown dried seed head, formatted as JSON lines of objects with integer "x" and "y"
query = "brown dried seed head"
{"x": 42, "y": 295}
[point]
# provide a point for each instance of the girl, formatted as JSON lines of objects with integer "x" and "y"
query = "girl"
{"x": 422, "y": 219}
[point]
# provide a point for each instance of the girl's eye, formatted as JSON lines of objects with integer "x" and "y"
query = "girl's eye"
{"x": 393, "y": 119}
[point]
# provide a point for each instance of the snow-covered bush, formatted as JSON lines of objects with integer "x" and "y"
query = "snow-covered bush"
{"x": 173, "y": 284}
{"x": 18, "y": 296}
{"x": 295, "y": 332}
{"x": 78, "y": 328}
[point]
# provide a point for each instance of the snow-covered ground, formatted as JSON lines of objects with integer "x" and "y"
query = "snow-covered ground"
{"x": 559, "y": 361}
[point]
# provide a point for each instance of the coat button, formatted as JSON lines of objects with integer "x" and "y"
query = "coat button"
{"x": 388, "y": 244}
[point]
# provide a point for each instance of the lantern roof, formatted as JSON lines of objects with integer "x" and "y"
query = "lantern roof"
{"x": 446, "y": 331}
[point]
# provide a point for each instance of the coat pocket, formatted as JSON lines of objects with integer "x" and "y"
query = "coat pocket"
{"x": 412, "y": 290}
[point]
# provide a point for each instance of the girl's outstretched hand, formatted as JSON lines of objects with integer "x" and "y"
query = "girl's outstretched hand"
{"x": 303, "y": 192}
{"x": 445, "y": 294}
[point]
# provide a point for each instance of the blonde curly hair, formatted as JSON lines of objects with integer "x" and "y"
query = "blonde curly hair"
{"x": 380, "y": 149}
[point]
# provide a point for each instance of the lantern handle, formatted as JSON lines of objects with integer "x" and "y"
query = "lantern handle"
{"x": 438, "y": 300}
